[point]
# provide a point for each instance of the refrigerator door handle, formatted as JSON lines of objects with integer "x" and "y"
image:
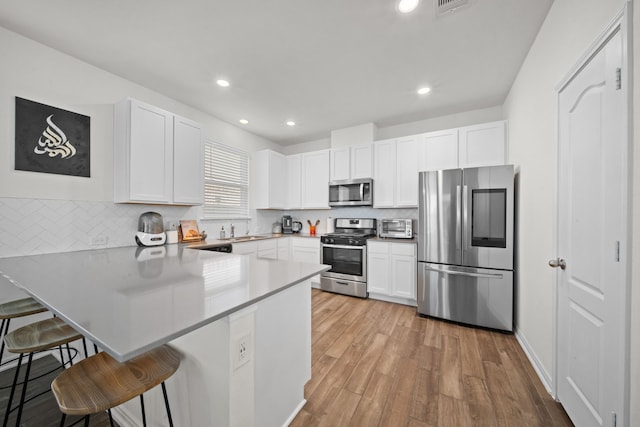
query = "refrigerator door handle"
{"x": 465, "y": 218}
{"x": 458, "y": 217}
{"x": 466, "y": 273}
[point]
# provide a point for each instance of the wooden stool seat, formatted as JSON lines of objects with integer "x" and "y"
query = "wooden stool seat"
{"x": 42, "y": 335}
{"x": 21, "y": 307}
{"x": 100, "y": 382}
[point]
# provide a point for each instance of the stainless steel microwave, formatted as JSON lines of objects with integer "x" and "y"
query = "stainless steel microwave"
{"x": 396, "y": 228}
{"x": 351, "y": 192}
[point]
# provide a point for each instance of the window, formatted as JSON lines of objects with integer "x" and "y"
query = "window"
{"x": 226, "y": 182}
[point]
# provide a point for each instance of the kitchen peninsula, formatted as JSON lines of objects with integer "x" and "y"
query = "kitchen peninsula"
{"x": 242, "y": 324}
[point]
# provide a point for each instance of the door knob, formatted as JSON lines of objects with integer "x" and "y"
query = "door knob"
{"x": 555, "y": 263}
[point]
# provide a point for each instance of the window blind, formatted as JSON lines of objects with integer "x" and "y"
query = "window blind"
{"x": 226, "y": 182}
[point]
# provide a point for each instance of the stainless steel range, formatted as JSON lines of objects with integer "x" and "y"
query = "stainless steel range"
{"x": 345, "y": 251}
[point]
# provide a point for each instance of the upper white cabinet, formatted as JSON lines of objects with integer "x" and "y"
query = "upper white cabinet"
{"x": 315, "y": 179}
{"x": 299, "y": 181}
{"x": 294, "y": 182}
{"x": 351, "y": 162}
{"x": 384, "y": 173}
{"x": 395, "y": 181}
{"x": 271, "y": 180}
{"x": 482, "y": 145}
{"x": 157, "y": 156}
{"x": 439, "y": 150}
{"x": 188, "y": 179}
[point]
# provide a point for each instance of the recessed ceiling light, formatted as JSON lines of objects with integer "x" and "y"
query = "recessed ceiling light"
{"x": 406, "y": 6}
{"x": 291, "y": 123}
{"x": 244, "y": 121}
{"x": 424, "y": 90}
{"x": 222, "y": 83}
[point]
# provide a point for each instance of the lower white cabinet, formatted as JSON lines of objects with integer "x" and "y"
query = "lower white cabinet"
{"x": 391, "y": 271}
{"x": 245, "y": 248}
{"x": 306, "y": 249}
{"x": 267, "y": 248}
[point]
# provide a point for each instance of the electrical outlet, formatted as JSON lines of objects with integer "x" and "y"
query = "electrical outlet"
{"x": 242, "y": 351}
{"x": 99, "y": 240}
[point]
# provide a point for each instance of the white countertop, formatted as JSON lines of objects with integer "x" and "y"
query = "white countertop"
{"x": 129, "y": 300}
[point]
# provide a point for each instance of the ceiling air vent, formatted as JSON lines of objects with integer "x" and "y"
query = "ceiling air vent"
{"x": 447, "y": 6}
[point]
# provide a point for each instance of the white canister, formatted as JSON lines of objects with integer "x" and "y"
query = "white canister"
{"x": 172, "y": 236}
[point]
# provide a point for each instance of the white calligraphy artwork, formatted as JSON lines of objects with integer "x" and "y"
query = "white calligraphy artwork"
{"x": 54, "y": 142}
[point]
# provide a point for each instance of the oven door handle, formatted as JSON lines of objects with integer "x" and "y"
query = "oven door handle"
{"x": 360, "y": 248}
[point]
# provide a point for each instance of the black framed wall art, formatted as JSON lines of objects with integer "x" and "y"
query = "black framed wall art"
{"x": 51, "y": 140}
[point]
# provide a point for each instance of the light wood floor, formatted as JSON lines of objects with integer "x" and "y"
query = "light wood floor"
{"x": 379, "y": 364}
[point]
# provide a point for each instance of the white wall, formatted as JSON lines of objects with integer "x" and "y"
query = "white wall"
{"x": 568, "y": 31}
{"x": 635, "y": 282}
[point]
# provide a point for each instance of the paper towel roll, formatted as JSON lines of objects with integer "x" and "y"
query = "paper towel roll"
{"x": 330, "y": 225}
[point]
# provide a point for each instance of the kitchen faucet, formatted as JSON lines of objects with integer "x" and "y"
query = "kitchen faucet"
{"x": 233, "y": 231}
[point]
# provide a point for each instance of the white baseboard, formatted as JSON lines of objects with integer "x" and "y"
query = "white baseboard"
{"x": 294, "y": 413}
{"x": 544, "y": 376}
{"x": 397, "y": 300}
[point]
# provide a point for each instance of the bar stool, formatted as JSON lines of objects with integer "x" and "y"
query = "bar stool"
{"x": 99, "y": 383}
{"x": 14, "y": 309}
{"x": 39, "y": 336}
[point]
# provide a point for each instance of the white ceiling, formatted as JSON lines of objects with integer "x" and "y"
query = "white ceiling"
{"x": 326, "y": 64}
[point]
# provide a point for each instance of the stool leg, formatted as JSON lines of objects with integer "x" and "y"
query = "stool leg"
{"x": 166, "y": 403}
{"x": 24, "y": 389}
{"x": 144, "y": 416}
{"x": 3, "y": 331}
{"x": 69, "y": 354}
{"x": 110, "y": 418}
{"x": 64, "y": 417}
{"x": 13, "y": 389}
{"x": 86, "y": 420}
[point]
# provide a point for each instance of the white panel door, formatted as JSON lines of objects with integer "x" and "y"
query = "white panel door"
{"x": 188, "y": 180}
{"x": 592, "y": 206}
{"x": 439, "y": 150}
{"x": 482, "y": 145}
{"x": 315, "y": 179}
{"x": 151, "y": 152}
{"x": 361, "y": 161}
{"x": 384, "y": 173}
{"x": 340, "y": 163}
{"x": 407, "y": 161}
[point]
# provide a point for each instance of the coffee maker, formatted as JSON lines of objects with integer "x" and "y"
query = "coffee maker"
{"x": 287, "y": 224}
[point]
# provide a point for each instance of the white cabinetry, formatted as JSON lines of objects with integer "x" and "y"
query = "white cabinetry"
{"x": 157, "y": 156}
{"x": 306, "y": 249}
{"x": 245, "y": 248}
{"x": 271, "y": 180}
{"x": 439, "y": 150}
{"x": 384, "y": 173}
{"x": 391, "y": 271}
{"x": 268, "y": 248}
{"x": 294, "y": 182}
{"x": 352, "y": 162}
{"x": 315, "y": 179}
{"x": 299, "y": 181}
{"x": 283, "y": 244}
{"x": 396, "y": 165}
{"x": 482, "y": 145}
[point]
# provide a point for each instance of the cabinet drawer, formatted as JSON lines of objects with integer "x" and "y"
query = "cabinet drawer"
{"x": 265, "y": 245}
{"x": 377, "y": 247}
{"x": 408, "y": 249}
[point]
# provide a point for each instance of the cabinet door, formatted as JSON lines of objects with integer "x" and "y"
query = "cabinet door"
{"x": 361, "y": 161}
{"x": 188, "y": 180}
{"x": 439, "y": 150}
{"x": 482, "y": 145}
{"x": 245, "y": 248}
{"x": 403, "y": 270}
{"x": 294, "y": 182}
{"x": 271, "y": 180}
{"x": 315, "y": 179}
{"x": 378, "y": 274}
{"x": 150, "y": 154}
{"x": 283, "y": 248}
{"x": 407, "y": 161}
{"x": 340, "y": 163}
{"x": 384, "y": 170}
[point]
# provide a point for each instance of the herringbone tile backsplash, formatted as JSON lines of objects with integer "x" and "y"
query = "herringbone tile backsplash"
{"x": 37, "y": 226}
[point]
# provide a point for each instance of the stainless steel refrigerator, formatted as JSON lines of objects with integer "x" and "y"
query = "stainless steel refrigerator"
{"x": 465, "y": 245}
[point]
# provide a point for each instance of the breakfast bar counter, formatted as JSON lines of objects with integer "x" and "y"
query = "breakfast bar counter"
{"x": 242, "y": 324}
